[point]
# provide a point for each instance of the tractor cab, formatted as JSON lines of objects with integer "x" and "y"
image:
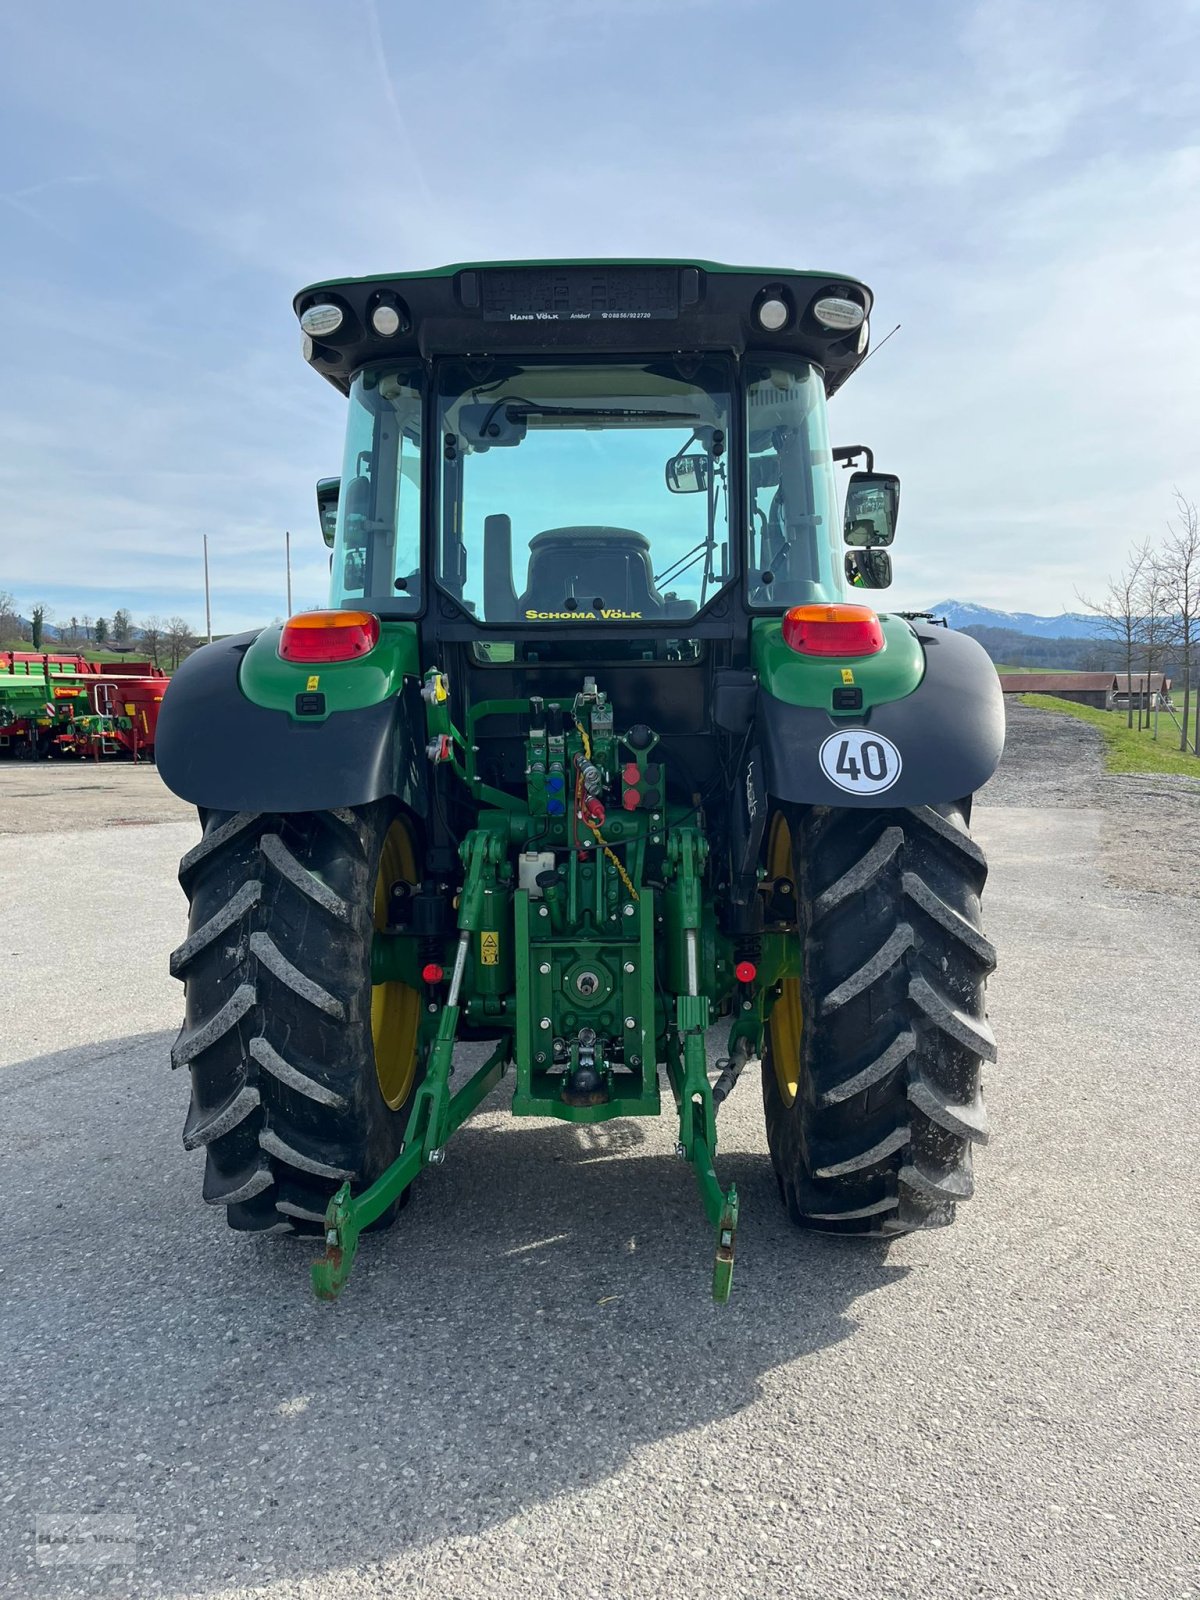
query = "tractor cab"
{"x": 592, "y": 451}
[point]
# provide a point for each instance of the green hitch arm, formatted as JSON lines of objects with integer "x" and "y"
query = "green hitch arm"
{"x": 687, "y": 1066}
{"x": 435, "y": 1113}
{"x": 347, "y": 1216}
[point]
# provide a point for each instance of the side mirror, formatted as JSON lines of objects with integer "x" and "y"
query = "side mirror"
{"x": 688, "y": 474}
{"x": 872, "y": 507}
{"x": 869, "y": 569}
{"x": 328, "y": 491}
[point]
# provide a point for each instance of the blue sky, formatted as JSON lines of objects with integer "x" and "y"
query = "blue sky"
{"x": 1020, "y": 184}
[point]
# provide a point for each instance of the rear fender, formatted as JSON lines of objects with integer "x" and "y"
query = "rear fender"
{"x": 242, "y": 730}
{"x": 939, "y": 741}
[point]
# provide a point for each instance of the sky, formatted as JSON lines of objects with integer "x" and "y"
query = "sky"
{"x": 1019, "y": 184}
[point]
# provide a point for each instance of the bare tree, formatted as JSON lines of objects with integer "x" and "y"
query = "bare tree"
{"x": 179, "y": 640}
{"x": 10, "y": 617}
{"x": 1181, "y": 571}
{"x": 152, "y": 637}
{"x": 1119, "y": 611}
{"x": 1156, "y": 632}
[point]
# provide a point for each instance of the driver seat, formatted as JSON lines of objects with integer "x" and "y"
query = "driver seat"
{"x": 589, "y": 563}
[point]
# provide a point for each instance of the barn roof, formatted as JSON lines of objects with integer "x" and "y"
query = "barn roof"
{"x": 1055, "y": 682}
{"x": 1121, "y": 683}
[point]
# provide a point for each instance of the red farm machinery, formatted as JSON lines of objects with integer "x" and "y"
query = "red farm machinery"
{"x": 65, "y": 706}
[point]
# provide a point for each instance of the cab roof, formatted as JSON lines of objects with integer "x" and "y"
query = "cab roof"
{"x": 631, "y": 307}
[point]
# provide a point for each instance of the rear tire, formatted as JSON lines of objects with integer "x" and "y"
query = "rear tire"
{"x": 871, "y": 1068}
{"x": 286, "y": 1100}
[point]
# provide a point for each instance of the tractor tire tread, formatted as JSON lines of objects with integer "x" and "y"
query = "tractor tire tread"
{"x": 220, "y": 922}
{"x": 285, "y": 863}
{"x": 195, "y": 1041}
{"x": 212, "y": 841}
{"x": 270, "y": 1060}
{"x": 277, "y": 1014}
{"x": 277, "y": 964}
{"x": 202, "y": 1130}
{"x": 879, "y": 1135}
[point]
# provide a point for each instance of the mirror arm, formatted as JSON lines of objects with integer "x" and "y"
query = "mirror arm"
{"x": 848, "y": 454}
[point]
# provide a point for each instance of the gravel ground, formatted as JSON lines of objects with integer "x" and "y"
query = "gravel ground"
{"x": 525, "y": 1389}
{"x": 1150, "y": 829}
{"x": 57, "y": 796}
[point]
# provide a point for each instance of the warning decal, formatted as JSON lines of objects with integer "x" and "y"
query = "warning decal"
{"x": 489, "y": 949}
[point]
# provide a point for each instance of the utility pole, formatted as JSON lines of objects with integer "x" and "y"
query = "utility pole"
{"x": 287, "y": 545}
{"x": 207, "y": 596}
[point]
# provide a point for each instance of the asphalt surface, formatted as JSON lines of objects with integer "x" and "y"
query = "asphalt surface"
{"x": 525, "y": 1389}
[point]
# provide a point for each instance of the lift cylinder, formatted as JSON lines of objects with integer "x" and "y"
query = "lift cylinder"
{"x": 492, "y": 945}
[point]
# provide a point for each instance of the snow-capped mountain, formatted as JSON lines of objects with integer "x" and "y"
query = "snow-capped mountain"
{"x": 1069, "y": 625}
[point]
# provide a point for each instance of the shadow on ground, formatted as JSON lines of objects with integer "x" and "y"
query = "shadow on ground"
{"x": 539, "y": 1313}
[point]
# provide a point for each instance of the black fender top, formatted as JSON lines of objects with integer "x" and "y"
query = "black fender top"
{"x": 942, "y": 742}
{"x": 219, "y": 750}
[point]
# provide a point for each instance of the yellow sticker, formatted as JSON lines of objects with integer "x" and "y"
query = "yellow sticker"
{"x": 847, "y": 676}
{"x": 314, "y": 682}
{"x": 489, "y": 949}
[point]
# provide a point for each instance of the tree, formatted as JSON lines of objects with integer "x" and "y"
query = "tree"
{"x": 74, "y": 629}
{"x": 1120, "y": 614}
{"x": 10, "y": 618}
{"x": 152, "y": 637}
{"x": 122, "y": 624}
{"x": 37, "y": 625}
{"x": 180, "y": 640}
{"x": 1156, "y": 631}
{"x": 101, "y": 630}
{"x": 1181, "y": 576}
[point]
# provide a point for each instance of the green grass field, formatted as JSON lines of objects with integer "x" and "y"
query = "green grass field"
{"x": 90, "y": 652}
{"x": 1127, "y": 749}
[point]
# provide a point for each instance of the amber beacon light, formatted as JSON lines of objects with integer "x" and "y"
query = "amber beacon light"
{"x": 837, "y": 630}
{"x": 328, "y": 635}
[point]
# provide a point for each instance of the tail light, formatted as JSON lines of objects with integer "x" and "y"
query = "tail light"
{"x": 838, "y": 630}
{"x": 328, "y": 635}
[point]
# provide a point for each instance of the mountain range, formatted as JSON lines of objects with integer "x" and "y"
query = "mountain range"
{"x": 962, "y": 614}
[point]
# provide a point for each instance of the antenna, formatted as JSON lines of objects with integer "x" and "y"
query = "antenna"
{"x": 878, "y": 346}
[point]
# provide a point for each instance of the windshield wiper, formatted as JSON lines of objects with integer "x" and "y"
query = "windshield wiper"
{"x": 688, "y": 560}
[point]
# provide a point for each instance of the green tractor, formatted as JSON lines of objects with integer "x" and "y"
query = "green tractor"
{"x": 589, "y": 755}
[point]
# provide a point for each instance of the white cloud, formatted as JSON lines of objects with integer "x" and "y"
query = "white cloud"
{"x": 1016, "y": 182}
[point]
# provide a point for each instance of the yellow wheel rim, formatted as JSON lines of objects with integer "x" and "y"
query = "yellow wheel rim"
{"x": 786, "y": 1025}
{"x": 395, "y": 1008}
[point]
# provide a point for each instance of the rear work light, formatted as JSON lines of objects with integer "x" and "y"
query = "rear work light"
{"x": 328, "y": 635}
{"x": 833, "y": 630}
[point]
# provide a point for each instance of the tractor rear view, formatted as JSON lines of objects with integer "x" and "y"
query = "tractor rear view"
{"x": 589, "y": 755}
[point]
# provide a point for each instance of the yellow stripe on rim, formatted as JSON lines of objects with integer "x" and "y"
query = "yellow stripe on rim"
{"x": 395, "y": 1008}
{"x": 786, "y": 1022}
